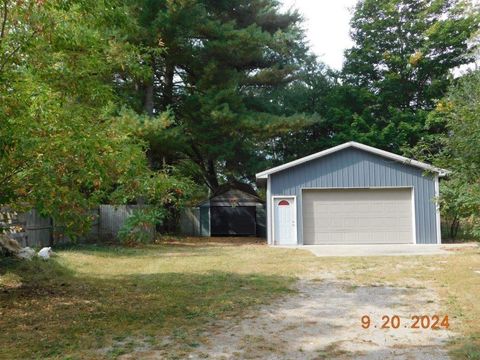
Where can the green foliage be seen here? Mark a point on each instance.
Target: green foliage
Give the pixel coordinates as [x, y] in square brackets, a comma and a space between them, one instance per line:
[125, 101]
[221, 61]
[460, 151]
[400, 65]
[403, 55]
[140, 226]
[310, 95]
[64, 145]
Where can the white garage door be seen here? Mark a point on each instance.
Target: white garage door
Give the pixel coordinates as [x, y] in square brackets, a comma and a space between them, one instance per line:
[357, 216]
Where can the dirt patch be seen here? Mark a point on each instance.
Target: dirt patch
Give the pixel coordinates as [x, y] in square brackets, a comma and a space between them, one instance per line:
[322, 321]
[460, 247]
[211, 241]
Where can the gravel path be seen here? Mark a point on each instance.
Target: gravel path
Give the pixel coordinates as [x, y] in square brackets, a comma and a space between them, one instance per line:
[322, 321]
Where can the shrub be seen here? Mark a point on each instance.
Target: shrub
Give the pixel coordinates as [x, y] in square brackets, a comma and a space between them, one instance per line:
[140, 227]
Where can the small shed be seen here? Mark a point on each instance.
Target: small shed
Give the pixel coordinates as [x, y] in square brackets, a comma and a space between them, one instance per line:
[234, 209]
[352, 194]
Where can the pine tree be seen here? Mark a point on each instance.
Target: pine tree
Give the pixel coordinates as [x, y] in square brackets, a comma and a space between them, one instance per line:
[220, 58]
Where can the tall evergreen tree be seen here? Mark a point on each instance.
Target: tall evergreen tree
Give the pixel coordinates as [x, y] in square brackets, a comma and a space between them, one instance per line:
[400, 65]
[404, 54]
[309, 94]
[220, 59]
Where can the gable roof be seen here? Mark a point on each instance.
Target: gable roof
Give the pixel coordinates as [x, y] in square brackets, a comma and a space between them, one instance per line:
[243, 194]
[353, 144]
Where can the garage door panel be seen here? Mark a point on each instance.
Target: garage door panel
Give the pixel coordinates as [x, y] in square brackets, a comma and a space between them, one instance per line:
[363, 238]
[382, 210]
[357, 216]
[360, 224]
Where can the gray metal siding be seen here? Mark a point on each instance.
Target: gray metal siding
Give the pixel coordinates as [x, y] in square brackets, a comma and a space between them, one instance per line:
[354, 168]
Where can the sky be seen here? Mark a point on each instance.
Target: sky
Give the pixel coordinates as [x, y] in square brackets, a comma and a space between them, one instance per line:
[326, 24]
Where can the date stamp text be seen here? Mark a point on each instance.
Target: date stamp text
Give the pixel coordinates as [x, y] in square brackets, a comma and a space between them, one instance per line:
[434, 322]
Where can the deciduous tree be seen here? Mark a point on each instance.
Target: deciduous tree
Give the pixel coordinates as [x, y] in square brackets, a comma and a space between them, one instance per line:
[64, 145]
[404, 53]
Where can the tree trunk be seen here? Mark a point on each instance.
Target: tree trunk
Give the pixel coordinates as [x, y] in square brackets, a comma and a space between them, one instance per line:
[454, 225]
[51, 237]
[207, 167]
[211, 176]
[168, 85]
[148, 102]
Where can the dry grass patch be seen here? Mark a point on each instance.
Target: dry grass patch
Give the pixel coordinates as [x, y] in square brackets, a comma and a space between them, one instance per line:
[101, 302]
[93, 302]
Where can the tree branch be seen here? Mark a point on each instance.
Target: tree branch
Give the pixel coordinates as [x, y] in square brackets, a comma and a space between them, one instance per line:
[15, 50]
[7, 177]
[4, 20]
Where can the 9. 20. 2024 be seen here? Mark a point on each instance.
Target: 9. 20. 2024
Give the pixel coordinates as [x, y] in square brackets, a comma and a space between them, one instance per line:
[434, 322]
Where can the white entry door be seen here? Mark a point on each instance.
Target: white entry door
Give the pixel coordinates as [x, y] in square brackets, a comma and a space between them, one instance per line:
[285, 224]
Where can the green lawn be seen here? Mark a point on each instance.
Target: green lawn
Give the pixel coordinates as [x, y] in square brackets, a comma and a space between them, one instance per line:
[96, 302]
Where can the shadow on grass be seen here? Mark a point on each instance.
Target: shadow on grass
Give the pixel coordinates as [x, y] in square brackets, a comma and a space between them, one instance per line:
[52, 311]
[183, 247]
[212, 240]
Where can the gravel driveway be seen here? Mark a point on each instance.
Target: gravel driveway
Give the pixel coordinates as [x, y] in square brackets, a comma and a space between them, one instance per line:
[323, 321]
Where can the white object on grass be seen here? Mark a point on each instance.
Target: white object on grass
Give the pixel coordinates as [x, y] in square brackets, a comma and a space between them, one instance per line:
[26, 253]
[45, 253]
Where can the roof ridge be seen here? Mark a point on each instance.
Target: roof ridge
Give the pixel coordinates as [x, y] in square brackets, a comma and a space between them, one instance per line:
[441, 172]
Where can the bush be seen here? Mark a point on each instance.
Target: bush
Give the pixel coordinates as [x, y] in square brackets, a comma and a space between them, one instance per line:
[140, 227]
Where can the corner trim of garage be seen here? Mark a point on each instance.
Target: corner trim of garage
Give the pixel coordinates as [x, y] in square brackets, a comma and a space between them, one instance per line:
[437, 209]
[414, 223]
[269, 212]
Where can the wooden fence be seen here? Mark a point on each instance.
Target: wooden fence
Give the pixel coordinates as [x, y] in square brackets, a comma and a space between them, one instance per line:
[112, 218]
[190, 222]
[31, 229]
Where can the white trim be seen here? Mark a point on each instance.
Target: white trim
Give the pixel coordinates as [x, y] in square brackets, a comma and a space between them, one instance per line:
[414, 223]
[356, 187]
[414, 231]
[389, 155]
[437, 210]
[269, 211]
[301, 215]
[294, 197]
[209, 221]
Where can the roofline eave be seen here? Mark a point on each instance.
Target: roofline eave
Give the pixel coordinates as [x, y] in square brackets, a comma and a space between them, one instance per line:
[441, 172]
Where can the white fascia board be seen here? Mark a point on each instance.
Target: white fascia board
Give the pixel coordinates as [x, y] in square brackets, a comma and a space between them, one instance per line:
[386, 154]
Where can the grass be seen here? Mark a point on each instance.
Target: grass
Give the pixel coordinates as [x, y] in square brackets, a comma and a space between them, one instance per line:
[100, 302]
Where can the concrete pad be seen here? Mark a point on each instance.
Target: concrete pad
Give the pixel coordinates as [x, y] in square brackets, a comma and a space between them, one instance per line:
[383, 249]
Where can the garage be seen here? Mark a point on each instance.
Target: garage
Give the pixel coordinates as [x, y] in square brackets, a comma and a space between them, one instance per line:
[357, 216]
[352, 194]
[228, 220]
[233, 209]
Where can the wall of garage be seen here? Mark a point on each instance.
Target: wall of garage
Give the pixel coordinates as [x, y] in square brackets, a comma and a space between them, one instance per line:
[196, 221]
[355, 168]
